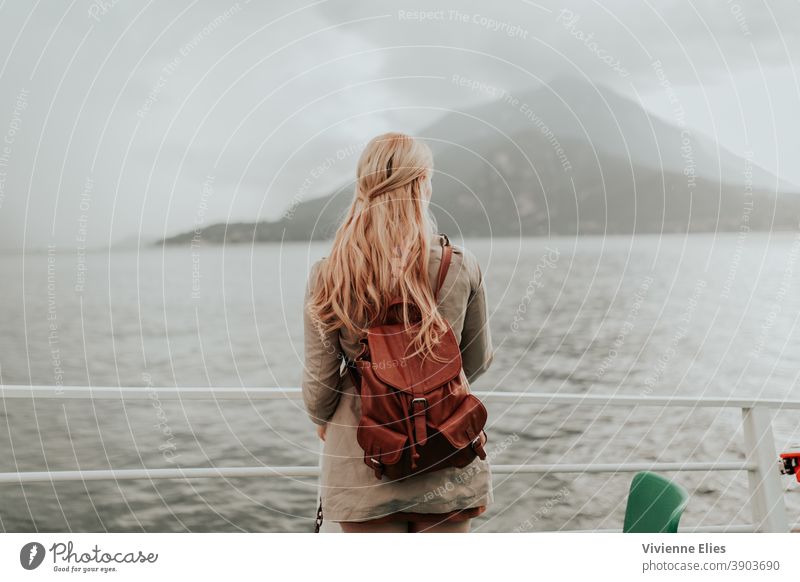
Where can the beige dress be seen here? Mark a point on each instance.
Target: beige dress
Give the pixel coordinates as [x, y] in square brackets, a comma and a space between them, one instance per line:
[349, 489]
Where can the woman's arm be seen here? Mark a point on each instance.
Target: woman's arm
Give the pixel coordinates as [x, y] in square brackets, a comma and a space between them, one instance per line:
[323, 358]
[476, 341]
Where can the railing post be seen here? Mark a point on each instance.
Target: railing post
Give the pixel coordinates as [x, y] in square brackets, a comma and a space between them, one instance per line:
[766, 491]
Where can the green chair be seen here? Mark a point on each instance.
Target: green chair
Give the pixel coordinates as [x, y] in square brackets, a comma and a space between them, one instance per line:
[655, 504]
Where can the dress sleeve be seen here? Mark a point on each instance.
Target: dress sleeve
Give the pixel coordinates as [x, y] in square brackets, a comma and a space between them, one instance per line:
[476, 341]
[323, 358]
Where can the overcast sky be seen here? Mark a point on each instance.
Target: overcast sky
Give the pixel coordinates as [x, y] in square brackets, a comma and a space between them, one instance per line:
[124, 119]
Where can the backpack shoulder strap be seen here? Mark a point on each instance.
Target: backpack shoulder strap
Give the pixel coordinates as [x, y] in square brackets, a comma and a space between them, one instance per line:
[444, 265]
[447, 256]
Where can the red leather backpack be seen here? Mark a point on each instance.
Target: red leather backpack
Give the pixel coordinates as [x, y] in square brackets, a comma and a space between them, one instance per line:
[417, 415]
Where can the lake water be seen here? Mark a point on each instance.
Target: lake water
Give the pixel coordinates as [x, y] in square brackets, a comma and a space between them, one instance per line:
[701, 314]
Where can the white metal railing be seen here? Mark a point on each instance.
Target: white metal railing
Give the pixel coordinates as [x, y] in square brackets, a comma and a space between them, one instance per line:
[766, 492]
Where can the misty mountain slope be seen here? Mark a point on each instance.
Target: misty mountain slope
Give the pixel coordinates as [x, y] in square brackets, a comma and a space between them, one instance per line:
[612, 123]
[601, 193]
[525, 171]
[519, 188]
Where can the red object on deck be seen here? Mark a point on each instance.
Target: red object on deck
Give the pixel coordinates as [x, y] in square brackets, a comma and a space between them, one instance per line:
[790, 463]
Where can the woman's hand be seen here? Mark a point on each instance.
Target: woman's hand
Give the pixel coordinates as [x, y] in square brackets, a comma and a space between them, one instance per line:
[321, 430]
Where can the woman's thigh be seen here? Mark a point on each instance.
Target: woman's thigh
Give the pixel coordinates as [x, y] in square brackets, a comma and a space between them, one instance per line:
[444, 527]
[386, 527]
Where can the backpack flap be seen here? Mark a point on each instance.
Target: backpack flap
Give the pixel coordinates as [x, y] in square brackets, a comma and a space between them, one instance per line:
[382, 445]
[466, 423]
[388, 346]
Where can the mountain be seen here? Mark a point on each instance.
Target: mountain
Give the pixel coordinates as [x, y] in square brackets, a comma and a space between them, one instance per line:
[571, 158]
[612, 124]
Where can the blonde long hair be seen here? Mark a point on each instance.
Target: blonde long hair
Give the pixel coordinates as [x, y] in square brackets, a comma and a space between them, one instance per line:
[381, 250]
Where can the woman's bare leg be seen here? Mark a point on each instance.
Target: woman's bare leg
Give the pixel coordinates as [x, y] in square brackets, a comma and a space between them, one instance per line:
[387, 527]
[444, 527]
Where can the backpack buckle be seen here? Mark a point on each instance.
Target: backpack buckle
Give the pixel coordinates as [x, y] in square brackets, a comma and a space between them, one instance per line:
[377, 466]
[477, 446]
[414, 401]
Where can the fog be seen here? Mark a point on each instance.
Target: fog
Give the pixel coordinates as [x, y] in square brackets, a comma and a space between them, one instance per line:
[124, 122]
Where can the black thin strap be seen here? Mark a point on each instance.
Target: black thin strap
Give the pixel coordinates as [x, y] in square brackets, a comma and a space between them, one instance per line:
[318, 520]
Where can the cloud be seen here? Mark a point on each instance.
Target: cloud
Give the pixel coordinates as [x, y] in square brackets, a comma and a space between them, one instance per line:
[132, 108]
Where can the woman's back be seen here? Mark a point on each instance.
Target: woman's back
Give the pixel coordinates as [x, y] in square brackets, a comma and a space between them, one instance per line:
[462, 301]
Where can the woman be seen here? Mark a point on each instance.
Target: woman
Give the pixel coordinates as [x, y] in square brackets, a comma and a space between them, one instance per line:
[387, 246]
